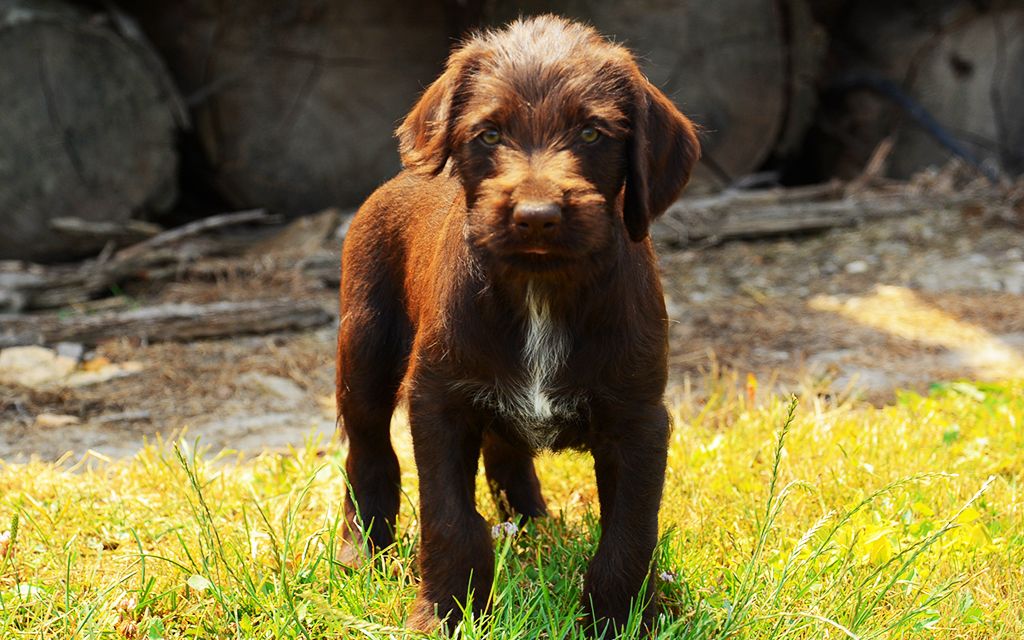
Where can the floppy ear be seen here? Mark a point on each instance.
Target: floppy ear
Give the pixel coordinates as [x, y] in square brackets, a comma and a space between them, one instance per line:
[424, 137]
[663, 149]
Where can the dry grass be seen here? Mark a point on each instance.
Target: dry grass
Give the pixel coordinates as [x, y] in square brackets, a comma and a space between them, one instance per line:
[843, 520]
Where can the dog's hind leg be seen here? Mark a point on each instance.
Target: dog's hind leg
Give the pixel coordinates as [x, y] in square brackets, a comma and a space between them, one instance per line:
[512, 479]
[372, 353]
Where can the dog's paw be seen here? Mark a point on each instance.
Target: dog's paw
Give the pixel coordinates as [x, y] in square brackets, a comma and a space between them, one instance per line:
[423, 617]
[351, 553]
[605, 620]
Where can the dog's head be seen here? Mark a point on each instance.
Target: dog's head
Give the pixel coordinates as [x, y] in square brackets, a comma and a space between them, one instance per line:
[559, 140]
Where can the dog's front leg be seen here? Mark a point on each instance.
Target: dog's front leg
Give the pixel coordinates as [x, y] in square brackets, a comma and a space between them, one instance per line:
[629, 460]
[456, 557]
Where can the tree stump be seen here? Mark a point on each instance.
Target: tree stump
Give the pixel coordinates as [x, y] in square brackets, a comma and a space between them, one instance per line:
[971, 79]
[87, 123]
[296, 103]
[963, 62]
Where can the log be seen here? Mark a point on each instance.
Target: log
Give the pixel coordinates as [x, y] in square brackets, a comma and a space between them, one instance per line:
[972, 80]
[89, 124]
[104, 231]
[35, 286]
[321, 267]
[167, 322]
[731, 216]
[295, 103]
[962, 62]
[193, 229]
[744, 70]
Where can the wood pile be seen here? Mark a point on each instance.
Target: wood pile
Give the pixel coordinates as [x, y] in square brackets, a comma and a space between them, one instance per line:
[88, 125]
[167, 322]
[290, 107]
[196, 251]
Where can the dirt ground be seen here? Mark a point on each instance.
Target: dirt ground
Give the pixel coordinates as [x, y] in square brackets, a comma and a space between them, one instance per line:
[894, 304]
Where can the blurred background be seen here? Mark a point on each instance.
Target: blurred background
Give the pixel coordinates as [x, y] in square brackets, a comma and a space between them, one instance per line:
[175, 174]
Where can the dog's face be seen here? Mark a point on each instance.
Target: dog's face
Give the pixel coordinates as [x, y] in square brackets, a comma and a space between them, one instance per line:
[560, 142]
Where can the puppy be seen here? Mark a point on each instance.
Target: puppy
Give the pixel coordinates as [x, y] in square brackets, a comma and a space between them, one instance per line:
[504, 283]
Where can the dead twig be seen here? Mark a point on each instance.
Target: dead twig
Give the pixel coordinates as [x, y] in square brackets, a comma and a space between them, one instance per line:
[166, 322]
[46, 287]
[132, 230]
[729, 216]
[196, 228]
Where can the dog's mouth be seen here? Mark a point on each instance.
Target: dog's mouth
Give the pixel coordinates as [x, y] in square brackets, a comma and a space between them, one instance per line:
[530, 256]
[534, 255]
[536, 251]
[536, 259]
[539, 251]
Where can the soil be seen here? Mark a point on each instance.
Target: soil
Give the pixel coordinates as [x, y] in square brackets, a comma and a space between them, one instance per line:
[898, 304]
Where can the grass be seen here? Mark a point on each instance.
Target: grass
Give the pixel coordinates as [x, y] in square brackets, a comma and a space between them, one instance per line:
[812, 519]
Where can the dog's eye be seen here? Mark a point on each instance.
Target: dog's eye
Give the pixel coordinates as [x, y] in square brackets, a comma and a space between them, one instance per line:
[491, 137]
[589, 134]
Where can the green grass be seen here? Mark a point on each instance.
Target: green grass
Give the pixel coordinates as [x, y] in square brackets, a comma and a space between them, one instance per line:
[838, 520]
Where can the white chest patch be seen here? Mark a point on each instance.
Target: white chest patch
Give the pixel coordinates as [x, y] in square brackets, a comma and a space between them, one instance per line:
[531, 402]
[544, 352]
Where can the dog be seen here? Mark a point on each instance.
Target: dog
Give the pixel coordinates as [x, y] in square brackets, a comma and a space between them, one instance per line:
[504, 284]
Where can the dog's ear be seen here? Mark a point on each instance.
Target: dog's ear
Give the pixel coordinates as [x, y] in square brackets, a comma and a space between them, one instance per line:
[663, 148]
[424, 137]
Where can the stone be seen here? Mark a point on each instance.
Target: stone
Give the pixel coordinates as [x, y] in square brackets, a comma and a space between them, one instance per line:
[55, 420]
[857, 266]
[34, 367]
[283, 388]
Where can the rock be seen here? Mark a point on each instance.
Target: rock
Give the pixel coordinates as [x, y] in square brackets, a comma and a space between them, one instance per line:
[73, 350]
[283, 388]
[964, 273]
[821, 361]
[55, 420]
[1013, 280]
[34, 366]
[857, 266]
[263, 431]
[771, 354]
[122, 416]
[103, 372]
[864, 380]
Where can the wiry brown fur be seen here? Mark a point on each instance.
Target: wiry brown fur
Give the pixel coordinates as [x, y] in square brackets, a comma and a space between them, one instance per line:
[511, 293]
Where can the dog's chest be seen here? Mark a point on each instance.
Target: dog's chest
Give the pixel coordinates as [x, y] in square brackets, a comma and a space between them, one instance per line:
[530, 399]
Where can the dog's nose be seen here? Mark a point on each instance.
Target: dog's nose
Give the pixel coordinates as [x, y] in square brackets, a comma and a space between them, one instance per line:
[537, 218]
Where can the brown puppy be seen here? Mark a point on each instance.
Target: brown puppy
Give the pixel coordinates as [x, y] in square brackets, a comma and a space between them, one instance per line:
[505, 284]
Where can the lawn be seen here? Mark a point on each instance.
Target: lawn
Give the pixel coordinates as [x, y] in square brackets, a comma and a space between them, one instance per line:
[841, 520]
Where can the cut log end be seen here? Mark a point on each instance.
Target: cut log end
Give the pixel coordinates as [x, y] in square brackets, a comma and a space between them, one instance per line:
[88, 129]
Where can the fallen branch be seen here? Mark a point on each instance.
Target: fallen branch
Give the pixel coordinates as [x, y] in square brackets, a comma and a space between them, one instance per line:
[193, 229]
[127, 230]
[166, 322]
[322, 267]
[780, 212]
[46, 287]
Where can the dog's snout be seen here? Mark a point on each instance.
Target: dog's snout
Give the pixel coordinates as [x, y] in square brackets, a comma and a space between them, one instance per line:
[537, 218]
